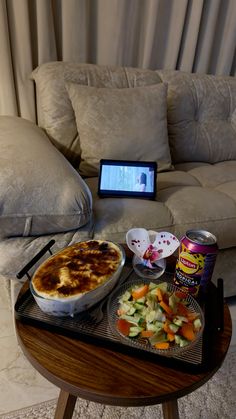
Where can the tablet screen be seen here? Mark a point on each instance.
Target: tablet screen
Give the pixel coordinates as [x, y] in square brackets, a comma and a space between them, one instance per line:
[127, 178]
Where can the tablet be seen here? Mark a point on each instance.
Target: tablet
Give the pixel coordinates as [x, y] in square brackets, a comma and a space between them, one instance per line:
[127, 178]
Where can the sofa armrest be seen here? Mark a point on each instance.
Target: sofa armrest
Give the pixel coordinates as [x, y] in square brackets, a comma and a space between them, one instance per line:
[40, 192]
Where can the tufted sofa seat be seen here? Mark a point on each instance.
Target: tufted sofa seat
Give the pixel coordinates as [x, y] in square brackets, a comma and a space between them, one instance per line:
[194, 195]
[196, 190]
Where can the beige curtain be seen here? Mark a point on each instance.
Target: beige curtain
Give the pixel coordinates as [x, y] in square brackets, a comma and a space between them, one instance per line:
[189, 35]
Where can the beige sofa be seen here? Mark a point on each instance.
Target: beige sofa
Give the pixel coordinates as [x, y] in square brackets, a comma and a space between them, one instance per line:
[186, 122]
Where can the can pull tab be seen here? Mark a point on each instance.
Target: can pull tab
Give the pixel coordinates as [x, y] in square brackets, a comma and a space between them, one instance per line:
[220, 305]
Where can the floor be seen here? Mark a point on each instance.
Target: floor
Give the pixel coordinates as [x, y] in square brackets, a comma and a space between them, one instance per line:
[20, 384]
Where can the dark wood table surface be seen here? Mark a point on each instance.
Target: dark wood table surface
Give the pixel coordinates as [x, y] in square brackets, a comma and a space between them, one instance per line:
[103, 375]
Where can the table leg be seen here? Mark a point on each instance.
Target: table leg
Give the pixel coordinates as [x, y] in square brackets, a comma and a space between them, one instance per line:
[170, 410]
[65, 405]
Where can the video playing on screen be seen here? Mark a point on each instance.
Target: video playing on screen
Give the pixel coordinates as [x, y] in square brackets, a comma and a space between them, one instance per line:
[127, 178]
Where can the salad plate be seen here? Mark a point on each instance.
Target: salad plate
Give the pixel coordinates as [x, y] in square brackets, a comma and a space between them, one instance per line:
[155, 316]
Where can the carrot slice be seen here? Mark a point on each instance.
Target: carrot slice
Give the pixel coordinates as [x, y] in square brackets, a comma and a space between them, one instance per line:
[147, 333]
[140, 292]
[182, 310]
[123, 326]
[187, 331]
[166, 307]
[159, 294]
[162, 345]
[166, 327]
[191, 316]
[181, 294]
[170, 337]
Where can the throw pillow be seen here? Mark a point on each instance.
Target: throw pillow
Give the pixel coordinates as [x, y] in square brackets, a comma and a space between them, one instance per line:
[54, 110]
[121, 123]
[40, 192]
[201, 116]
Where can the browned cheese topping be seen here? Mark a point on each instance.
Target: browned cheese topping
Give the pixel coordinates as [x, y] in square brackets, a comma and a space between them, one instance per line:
[77, 269]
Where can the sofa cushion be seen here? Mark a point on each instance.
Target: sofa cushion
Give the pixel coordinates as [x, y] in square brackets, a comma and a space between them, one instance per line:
[55, 113]
[201, 116]
[40, 192]
[113, 217]
[123, 123]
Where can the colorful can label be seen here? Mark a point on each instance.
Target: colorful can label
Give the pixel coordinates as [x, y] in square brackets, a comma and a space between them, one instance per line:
[196, 261]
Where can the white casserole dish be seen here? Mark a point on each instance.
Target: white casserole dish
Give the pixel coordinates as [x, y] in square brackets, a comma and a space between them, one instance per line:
[71, 305]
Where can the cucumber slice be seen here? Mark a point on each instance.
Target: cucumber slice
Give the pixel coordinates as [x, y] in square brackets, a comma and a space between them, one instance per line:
[160, 316]
[127, 307]
[154, 327]
[132, 334]
[157, 338]
[153, 292]
[141, 300]
[182, 318]
[135, 330]
[173, 327]
[177, 322]
[131, 311]
[151, 301]
[130, 319]
[177, 339]
[151, 316]
[197, 324]
[183, 342]
[126, 296]
[138, 306]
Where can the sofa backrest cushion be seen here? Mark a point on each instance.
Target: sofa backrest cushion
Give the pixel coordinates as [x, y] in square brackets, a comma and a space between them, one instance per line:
[128, 123]
[40, 192]
[201, 116]
[55, 112]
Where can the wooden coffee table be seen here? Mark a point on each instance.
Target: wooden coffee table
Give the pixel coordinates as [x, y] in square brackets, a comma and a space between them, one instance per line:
[102, 375]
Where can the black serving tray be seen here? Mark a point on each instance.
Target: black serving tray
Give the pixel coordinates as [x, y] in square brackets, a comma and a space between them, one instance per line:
[82, 327]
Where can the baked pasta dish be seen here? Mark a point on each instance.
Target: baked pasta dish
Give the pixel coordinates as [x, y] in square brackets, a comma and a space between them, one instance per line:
[77, 269]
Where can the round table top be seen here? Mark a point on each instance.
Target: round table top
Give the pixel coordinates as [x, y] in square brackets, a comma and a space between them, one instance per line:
[107, 376]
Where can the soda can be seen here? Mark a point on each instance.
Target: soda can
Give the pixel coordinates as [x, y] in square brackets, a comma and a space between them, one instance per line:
[196, 260]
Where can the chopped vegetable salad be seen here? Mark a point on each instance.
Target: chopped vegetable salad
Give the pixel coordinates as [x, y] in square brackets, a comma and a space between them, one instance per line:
[161, 316]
